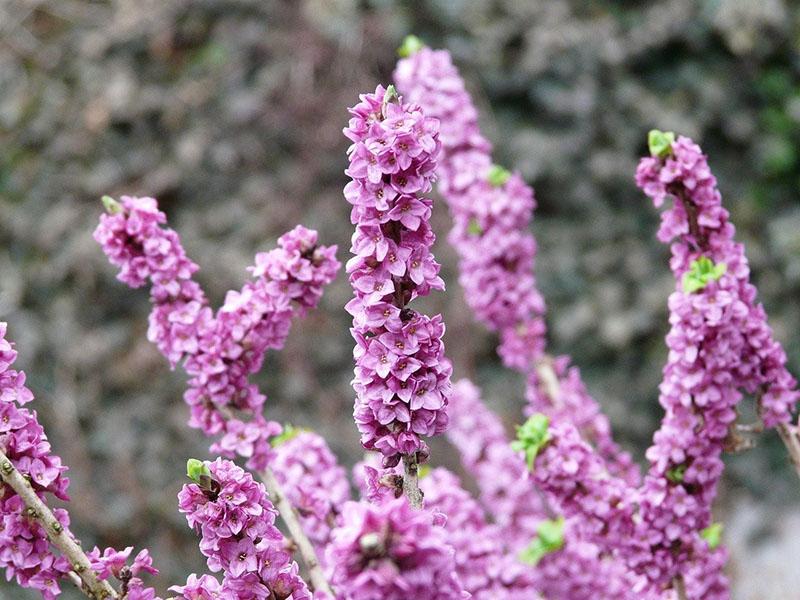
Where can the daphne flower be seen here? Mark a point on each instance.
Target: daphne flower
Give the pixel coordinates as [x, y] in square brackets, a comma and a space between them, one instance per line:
[402, 379]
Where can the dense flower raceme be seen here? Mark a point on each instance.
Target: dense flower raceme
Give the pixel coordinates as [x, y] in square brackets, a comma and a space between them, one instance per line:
[236, 522]
[114, 563]
[392, 552]
[581, 569]
[485, 568]
[700, 223]
[25, 551]
[313, 482]
[720, 346]
[500, 473]
[402, 378]
[219, 351]
[483, 563]
[608, 512]
[492, 210]
[204, 587]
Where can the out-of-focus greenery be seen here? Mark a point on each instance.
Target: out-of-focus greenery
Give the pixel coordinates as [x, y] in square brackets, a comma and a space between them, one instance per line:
[230, 112]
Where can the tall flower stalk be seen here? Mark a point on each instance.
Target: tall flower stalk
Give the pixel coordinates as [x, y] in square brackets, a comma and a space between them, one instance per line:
[719, 347]
[220, 352]
[402, 378]
[492, 210]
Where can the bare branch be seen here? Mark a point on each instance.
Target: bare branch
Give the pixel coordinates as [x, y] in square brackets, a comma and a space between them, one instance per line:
[84, 576]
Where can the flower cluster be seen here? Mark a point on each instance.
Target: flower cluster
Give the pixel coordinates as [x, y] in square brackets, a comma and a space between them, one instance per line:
[204, 587]
[25, 551]
[570, 472]
[219, 351]
[491, 210]
[720, 346]
[313, 482]
[236, 522]
[607, 516]
[508, 492]
[701, 224]
[114, 563]
[482, 563]
[133, 239]
[392, 552]
[501, 474]
[402, 378]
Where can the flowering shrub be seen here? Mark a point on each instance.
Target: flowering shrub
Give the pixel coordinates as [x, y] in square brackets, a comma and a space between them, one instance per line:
[560, 513]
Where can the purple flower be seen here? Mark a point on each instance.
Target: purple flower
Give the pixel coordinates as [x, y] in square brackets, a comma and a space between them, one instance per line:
[313, 482]
[402, 378]
[219, 351]
[392, 552]
[492, 210]
[236, 522]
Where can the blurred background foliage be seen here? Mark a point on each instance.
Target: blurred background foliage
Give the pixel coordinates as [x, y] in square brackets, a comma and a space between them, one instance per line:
[230, 113]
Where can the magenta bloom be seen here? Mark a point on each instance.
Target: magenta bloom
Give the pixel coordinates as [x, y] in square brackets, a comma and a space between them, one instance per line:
[720, 346]
[236, 522]
[204, 587]
[402, 378]
[219, 352]
[492, 211]
[392, 552]
[25, 552]
[582, 569]
[314, 483]
[483, 564]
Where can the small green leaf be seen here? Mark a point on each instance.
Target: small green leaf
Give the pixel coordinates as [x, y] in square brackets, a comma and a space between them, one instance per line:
[712, 535]
[549, 538]
[497, 175]
[411, 45]
[675, 474]
[197, 470]
[660, 142]
[423, 471]
[289, 432]
[112, 206]
[474, 228]
[701, 272]
[532, 436]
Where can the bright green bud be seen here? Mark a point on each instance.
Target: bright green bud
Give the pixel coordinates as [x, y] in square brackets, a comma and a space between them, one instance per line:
[497, 175]
[675, 474]
[423, 471]
[410, 45]
[112, 206]
[549, 538]
[712, 535]
[391, 94]
[474, 228]
[660, 142]
[701, 272]
[532, 436]
[289, 432]
[197, 470]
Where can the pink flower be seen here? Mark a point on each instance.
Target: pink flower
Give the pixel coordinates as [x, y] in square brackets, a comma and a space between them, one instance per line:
[401, 375]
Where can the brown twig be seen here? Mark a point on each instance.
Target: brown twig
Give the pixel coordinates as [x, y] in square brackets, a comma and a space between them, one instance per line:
[411, 481]
[791, 439]
[691, 213]
[680, 587]
[291, 518]
[549, 380]
[61, 539]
